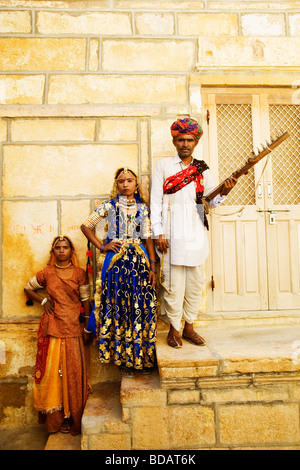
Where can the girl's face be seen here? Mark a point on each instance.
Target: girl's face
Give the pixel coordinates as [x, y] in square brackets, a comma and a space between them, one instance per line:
[62, 251]
[126, 184]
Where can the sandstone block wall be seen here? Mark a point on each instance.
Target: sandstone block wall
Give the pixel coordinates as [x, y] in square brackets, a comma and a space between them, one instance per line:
[88, 86]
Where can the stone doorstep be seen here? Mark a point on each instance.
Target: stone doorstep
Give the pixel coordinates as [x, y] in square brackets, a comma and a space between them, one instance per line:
[259, 351]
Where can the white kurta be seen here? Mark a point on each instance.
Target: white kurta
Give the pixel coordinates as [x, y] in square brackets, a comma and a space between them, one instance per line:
[186, 232]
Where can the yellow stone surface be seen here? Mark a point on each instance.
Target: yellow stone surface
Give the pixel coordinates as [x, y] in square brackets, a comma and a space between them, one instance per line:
[66, 170]
[35, 54]
[110, 442]
[15, 22]
[85, 23]
[118, 130]
[246, 51]
[172, 427]
[117, 89]
[253, 5]
[28, 130]
[144, 132]
[154, 23]
[28, 230]
[3, 130]
[73, 214]
[245, 424]
[208, 24]
[142, 55]
[271, 24]
[294, 22]
[94, 55]
[20, 344]
[18, 89]
[160, 4]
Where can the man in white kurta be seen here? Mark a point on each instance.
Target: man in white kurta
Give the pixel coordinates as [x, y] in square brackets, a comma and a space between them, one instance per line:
[180, 234]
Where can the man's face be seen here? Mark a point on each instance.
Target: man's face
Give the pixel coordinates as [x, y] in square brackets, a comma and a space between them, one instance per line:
[185, 145]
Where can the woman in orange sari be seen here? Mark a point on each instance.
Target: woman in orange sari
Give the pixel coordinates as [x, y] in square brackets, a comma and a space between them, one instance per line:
[61, 383]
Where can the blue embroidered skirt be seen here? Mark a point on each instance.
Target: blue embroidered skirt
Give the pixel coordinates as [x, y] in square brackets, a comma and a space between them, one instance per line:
[124, 312]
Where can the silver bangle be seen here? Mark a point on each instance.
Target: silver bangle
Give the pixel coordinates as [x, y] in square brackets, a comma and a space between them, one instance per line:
[44, 301]
[87, 331]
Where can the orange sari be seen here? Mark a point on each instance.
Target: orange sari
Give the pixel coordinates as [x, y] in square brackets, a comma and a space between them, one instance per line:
[61, 382]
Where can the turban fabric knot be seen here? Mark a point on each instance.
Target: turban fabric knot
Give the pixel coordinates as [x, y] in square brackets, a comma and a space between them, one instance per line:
[186, 126]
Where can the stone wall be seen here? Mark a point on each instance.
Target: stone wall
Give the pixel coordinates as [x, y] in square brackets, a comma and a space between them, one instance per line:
[88, 86]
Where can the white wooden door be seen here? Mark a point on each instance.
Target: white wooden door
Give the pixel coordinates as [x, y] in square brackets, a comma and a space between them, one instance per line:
[254, 264]
[282, 197]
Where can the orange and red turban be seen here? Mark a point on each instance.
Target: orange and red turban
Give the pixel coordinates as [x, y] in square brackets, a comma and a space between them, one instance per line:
[186, 126]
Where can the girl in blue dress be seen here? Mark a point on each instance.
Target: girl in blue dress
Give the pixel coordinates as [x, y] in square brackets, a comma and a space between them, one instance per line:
[123, 317]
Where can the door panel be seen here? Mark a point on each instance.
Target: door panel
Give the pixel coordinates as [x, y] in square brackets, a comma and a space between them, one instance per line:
[238, 230]
[284, 198]
[255, 259]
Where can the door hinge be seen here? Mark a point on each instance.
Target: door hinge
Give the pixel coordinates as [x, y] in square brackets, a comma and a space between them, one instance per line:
[212, 283]
[207, 116]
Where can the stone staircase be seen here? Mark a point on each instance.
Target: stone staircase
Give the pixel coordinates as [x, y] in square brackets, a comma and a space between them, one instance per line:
[240, 391]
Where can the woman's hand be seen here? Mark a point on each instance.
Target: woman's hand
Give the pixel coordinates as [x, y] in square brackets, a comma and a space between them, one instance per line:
[152, 278]
[112, 246]
[49, 307]
[87, 337]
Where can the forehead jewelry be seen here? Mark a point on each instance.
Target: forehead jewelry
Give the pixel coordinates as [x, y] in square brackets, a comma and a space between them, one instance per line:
[61, 238]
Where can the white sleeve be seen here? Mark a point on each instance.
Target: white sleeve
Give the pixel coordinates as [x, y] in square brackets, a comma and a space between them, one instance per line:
[209, 185]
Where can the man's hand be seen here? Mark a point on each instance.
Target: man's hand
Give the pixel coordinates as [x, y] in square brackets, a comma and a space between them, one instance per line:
[228, 185]
[162, 244]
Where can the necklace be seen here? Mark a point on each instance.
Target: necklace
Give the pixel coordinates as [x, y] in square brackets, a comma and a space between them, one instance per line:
[63, 267]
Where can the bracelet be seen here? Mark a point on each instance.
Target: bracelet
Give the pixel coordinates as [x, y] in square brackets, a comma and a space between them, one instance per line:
[86, 317]
[44, 301]
[152, 261]
[87, 331]
[153, 270]
[102, 249]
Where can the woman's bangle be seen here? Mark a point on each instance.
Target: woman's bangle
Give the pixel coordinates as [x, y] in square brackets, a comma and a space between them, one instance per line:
[102, 248]
[87, 331]
[152, 261]
[153, 270]
[44, 301]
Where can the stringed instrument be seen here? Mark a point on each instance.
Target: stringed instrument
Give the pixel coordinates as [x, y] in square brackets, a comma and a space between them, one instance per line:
[250, 163]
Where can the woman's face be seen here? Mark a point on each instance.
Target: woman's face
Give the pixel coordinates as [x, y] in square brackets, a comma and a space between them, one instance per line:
[62, 251]
[126, 184]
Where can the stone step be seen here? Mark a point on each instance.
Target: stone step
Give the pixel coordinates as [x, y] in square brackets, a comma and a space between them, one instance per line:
[102, 425]
[229, 353]
[60, 441]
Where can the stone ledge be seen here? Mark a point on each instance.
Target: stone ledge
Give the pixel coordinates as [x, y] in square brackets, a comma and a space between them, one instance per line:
[252, 76]
[79, 110]
[231, 357]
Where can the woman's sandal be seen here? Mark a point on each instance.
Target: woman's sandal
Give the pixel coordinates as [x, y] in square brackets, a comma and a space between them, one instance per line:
[126, 371]
[66, 426]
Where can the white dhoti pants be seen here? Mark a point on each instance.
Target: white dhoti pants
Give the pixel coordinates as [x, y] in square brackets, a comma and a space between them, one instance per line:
[185, 284]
